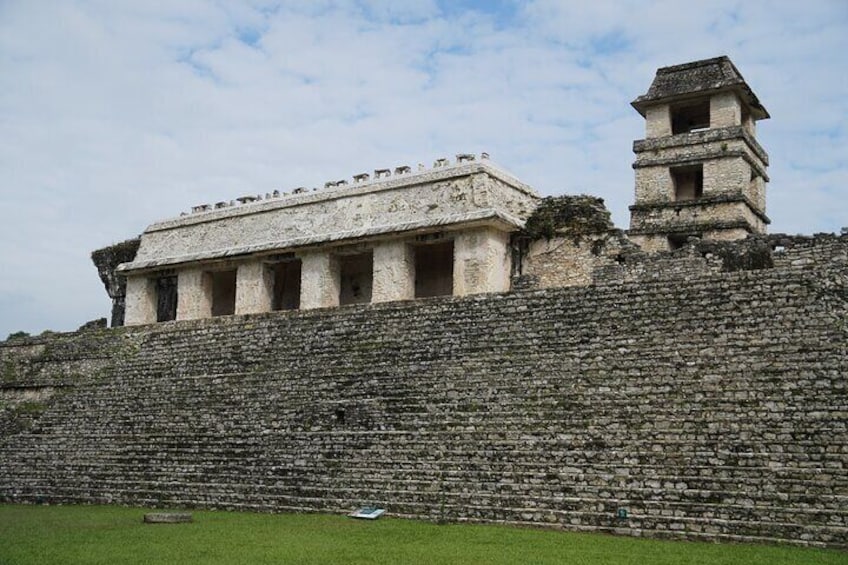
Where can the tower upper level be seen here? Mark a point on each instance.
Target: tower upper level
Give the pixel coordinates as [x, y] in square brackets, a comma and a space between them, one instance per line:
[695, 96]
[699, 171]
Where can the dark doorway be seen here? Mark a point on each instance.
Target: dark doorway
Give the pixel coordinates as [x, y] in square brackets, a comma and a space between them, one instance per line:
[286, 285]
[357, 274]
[434, 269]
[166, 298]
[223, 293]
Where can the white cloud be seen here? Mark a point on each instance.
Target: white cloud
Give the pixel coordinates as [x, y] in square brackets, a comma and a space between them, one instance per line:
[114, 114]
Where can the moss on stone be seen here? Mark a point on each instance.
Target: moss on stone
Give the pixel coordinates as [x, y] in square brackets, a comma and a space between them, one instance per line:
[110, 257]
[31, 407]
[9, 373]
[568, 216]
[743, 255]
[18, 335]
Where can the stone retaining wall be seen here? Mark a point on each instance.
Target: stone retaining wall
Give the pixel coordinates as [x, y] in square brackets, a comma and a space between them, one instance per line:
[711, 407]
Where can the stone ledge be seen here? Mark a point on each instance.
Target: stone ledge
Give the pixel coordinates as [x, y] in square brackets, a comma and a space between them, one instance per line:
[699, 203]
[706, 155]
[700, 138]
[377, 185]
[484, 216]
[167, 518]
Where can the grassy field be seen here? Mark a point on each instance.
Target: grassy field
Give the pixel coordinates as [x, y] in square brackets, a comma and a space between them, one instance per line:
[111, 535]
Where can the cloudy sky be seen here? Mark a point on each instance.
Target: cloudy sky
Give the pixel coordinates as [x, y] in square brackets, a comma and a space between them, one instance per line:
[114, 114]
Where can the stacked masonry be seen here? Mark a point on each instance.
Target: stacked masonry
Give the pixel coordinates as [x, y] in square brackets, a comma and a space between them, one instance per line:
[706, 405]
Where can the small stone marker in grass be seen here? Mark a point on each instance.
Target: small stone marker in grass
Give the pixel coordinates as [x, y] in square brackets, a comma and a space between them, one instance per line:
[167, 518]
[368, 513]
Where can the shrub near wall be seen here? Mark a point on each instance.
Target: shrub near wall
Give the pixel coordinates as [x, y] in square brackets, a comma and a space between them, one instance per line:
[710, 407]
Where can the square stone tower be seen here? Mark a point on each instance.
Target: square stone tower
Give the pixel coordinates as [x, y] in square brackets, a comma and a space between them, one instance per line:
[699, 171]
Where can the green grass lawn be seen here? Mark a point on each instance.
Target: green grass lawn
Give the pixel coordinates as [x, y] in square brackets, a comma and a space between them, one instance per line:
[113, 535]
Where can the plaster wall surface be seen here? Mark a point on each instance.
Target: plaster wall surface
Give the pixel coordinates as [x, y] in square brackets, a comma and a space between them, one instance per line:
[394, 271]
[194, 294]
[481, 261]
[320, 280]
[554, 407]
[254, 288]
[140, 301]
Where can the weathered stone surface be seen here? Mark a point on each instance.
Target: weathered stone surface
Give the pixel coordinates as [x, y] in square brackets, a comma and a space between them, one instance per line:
[706, 76]
[167, 518]
[700, 170]
[467, 192]
[708, 401]
[565, 240]
[107, 260]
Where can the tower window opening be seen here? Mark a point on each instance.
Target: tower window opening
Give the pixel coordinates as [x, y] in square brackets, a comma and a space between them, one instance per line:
[690, 118]
[680, 240]
[688, 182]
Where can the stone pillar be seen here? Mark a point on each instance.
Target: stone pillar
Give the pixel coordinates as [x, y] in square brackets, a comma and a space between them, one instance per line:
[657, 121]
[194, 294]
[319, 281]
[481, 261]
[725, 110]
[140, 301]
[394, 272]
[254, 288]
[731, 175]
[653, 185]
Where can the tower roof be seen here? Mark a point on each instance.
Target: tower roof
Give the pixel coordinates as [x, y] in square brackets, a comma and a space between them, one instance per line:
[699, 77]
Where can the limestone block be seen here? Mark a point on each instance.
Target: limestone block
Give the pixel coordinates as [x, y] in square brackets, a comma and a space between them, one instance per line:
[565, 261]
[726, 235]
[651, 243]
[657, 121]
[140, 301]
[481, 261]
[729, 175]
[320, 280]
[194, 294]
[756, 193]
[725, 110]
[654, 184]
[254, 288]
[167, 518]
[394, 272]
[750, 124]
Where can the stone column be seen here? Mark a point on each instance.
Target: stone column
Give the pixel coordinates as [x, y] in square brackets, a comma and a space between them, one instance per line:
[725, 110]
[319, 281]
[140, 301]
[394, 272]
[194, 294]
[481, 261]
[254, 288]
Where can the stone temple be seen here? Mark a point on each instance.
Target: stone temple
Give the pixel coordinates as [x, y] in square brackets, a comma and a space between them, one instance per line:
[443, 343]
[451, 229]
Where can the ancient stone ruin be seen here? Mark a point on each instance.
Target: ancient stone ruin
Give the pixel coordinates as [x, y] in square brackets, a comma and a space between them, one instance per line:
[445, 344]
